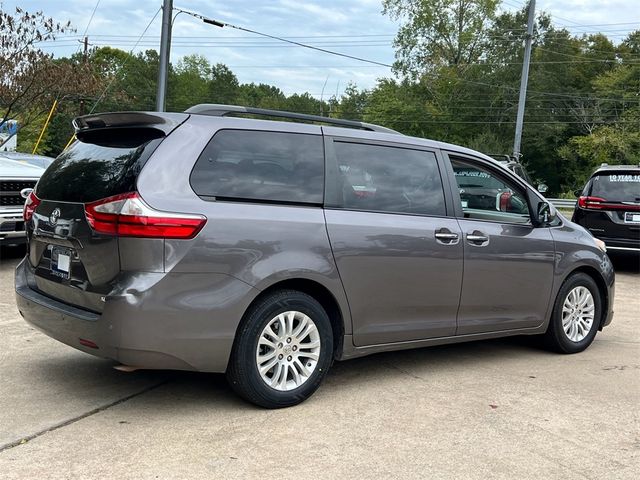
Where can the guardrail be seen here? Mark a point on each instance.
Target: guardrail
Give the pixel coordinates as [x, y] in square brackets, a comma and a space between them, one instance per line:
[562, 202]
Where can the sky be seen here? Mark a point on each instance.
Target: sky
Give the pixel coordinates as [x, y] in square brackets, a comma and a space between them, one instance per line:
[353, 27]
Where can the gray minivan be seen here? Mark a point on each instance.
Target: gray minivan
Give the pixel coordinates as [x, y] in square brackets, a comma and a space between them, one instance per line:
[267, 249]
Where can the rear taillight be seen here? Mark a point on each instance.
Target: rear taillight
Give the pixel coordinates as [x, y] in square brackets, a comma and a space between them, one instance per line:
[594, 203]
[598, 203]
[127, 215]
[30, 205]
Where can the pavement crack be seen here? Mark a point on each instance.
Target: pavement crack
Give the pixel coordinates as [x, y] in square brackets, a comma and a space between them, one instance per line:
[70, 421]
[403, 371]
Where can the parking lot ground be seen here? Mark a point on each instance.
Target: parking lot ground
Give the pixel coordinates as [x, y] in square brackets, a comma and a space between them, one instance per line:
[494, 409]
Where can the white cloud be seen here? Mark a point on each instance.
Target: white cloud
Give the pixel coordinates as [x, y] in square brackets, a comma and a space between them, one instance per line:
[288, 18]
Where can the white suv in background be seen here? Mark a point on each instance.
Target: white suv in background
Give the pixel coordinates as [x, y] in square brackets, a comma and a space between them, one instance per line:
[15, 176]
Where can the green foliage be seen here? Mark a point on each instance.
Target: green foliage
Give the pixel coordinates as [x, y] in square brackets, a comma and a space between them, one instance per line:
[582, 154]
[437, 33]
[459, 62]
[223, 87]
[29, 133]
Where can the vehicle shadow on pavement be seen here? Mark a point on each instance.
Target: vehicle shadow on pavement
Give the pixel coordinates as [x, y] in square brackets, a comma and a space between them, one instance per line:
[10, 252]
[161, 389]
[625, 262]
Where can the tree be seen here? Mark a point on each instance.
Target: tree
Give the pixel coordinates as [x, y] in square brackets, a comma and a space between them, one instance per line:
[127, 81]
[436, 33]
[224, 86]
[188, 85]
[30, 79]
[352, 103]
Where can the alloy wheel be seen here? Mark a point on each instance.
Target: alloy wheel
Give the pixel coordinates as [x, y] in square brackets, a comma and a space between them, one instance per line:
[578, 312]
[288, 350]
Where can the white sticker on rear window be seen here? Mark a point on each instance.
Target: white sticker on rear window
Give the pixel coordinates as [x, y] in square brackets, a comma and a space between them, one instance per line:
[625, 178]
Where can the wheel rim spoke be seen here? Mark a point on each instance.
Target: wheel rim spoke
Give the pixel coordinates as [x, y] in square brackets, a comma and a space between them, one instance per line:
[265, 368]
[309, 356]
[264, 341]
[297, 379]
[269, 331]
[303, 369]
[288, 350]
[304, 321]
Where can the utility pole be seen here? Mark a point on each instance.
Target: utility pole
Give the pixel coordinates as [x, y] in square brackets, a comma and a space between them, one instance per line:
[85, 58]
[524, 79]
[165, 50]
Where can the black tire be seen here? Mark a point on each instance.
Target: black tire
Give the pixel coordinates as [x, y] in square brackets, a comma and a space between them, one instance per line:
[555, 337]
[242, 372]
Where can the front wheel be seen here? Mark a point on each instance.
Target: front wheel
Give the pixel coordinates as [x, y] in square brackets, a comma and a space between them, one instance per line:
[282, 351]
[576, 315]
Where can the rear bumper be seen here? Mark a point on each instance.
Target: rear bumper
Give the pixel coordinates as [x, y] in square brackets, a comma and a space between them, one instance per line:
[60, 321]
[164, 321]
[624, 244]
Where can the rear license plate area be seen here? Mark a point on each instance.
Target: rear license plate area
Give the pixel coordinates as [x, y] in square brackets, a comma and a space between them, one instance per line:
[60, 261]
[632, 217]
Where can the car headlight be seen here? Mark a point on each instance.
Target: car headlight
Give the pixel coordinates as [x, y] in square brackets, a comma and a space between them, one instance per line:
[600, 244]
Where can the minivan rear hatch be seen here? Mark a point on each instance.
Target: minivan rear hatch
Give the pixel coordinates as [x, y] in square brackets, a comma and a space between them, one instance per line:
[74, 263]
[613, 198]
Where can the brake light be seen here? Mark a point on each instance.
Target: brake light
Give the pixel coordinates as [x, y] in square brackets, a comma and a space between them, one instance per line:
[594, 203]
[30, 205]
[597, 203]
[127, 215]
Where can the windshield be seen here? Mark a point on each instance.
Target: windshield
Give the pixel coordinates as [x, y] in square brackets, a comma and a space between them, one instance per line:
[617, 187]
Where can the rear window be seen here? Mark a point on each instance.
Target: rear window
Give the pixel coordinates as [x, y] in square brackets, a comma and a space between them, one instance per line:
[100, 165]
[617, 187]
[261, 166]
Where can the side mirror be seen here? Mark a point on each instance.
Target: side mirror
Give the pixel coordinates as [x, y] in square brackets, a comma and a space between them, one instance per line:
[542, 188]
[25, 192]
[578, 193]
[545, 214]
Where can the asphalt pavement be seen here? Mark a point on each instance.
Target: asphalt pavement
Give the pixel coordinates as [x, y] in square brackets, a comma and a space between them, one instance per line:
[492, 409]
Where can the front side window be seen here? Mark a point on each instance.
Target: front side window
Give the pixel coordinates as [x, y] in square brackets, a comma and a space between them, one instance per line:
[261, 166]
[487, 196]
[389, 179]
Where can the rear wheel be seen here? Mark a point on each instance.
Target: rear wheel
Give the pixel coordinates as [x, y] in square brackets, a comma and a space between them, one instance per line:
[576, 315]
[282, 351]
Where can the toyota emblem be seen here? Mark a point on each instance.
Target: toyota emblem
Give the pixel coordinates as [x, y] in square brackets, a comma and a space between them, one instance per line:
[55, 215]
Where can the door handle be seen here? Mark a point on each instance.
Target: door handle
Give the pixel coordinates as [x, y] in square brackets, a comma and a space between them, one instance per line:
[446, 237]
[477, 238]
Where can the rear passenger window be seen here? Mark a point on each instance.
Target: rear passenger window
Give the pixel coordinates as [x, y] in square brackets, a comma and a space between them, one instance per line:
[389, 179]
[261, 166]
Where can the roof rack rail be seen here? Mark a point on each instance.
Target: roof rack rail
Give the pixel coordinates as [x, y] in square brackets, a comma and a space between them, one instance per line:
[217, 110]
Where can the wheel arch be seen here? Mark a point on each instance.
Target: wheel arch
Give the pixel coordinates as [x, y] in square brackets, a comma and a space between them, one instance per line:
[602, 288]
[321, 294]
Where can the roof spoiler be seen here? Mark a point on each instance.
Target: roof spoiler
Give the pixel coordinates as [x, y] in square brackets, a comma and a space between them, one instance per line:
[163, 122]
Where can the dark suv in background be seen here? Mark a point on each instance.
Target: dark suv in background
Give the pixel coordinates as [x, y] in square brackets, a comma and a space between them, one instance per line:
[609, 206]
[268, 249]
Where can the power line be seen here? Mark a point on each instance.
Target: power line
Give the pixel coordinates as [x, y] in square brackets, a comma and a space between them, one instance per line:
[300, 44]
[115, 75]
